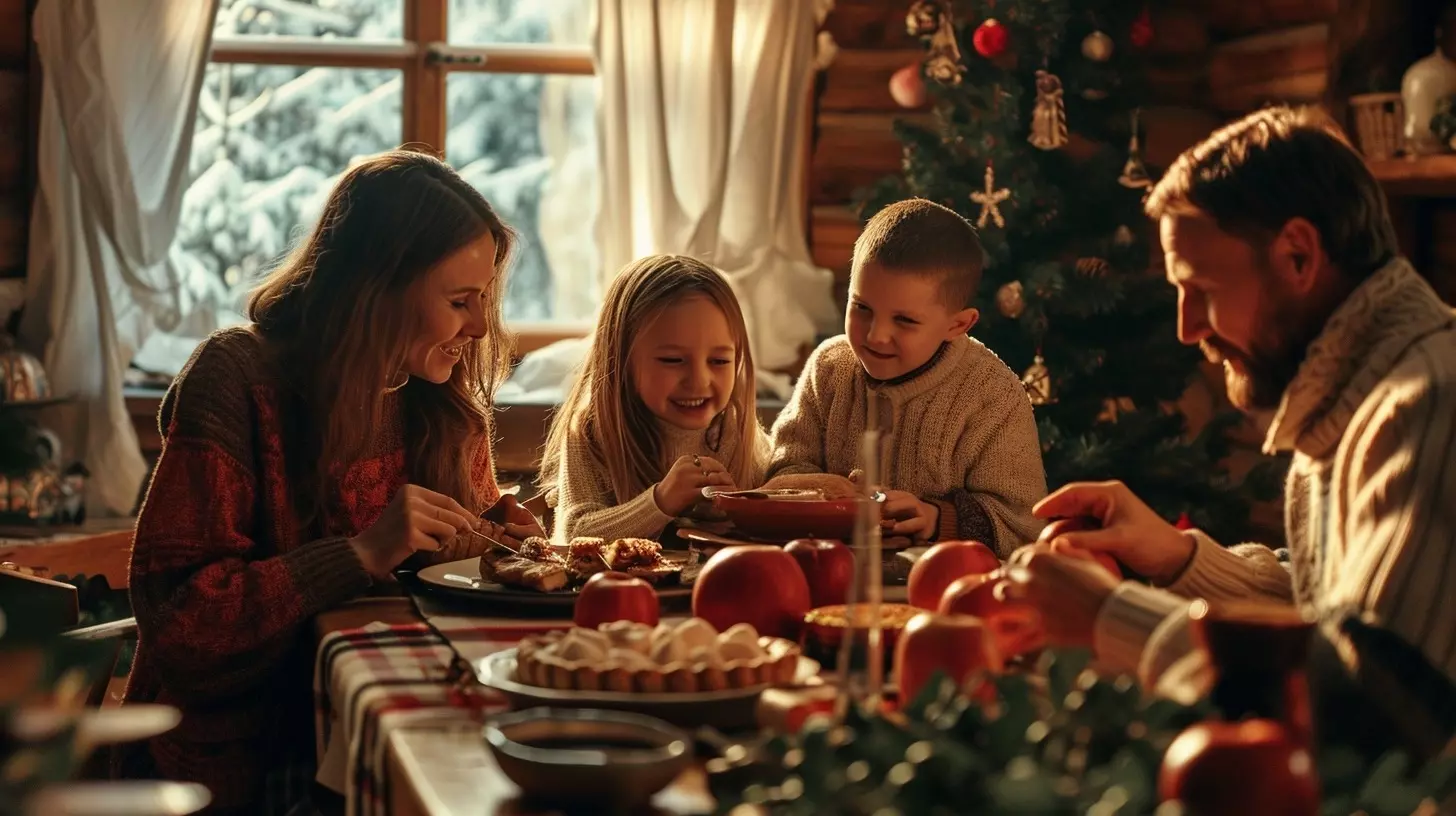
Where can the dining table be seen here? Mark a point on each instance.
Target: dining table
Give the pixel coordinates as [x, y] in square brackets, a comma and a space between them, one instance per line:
[399, 725]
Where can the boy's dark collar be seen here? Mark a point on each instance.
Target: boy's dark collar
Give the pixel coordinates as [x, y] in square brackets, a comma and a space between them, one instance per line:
[910, 375]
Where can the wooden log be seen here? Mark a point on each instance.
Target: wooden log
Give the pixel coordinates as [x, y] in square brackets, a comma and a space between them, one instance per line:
[1169, 130]
[869, 24]
[859, 79]
[1269, 56]
[12, 233]
[1178, 81]
[1179, 31]
[14, 33]
[14, 115]
[853, 151]
[1304, 87]
[832, 234]
[1232, 17]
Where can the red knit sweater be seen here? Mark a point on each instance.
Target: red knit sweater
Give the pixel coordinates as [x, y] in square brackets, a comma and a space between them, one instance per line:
[225, 580]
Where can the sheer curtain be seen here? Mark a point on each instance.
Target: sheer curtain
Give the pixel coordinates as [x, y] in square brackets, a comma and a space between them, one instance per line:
[121, 81]
[702, 126]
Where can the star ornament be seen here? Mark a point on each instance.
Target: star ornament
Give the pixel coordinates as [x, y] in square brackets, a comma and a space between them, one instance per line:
[990, 200]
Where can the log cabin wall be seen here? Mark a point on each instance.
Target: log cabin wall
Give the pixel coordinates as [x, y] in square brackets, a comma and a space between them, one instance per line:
[18, 104]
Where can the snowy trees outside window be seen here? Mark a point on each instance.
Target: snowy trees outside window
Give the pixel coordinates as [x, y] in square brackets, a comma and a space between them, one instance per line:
[272, 139]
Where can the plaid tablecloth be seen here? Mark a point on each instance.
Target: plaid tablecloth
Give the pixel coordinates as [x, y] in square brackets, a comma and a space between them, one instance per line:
[373, 679]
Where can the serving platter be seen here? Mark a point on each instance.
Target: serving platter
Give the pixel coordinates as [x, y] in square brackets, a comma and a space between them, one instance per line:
[727, 710]
[461, 579]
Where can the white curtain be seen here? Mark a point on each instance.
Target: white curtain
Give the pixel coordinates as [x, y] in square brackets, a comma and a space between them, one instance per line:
[120, 96]
[702, 129]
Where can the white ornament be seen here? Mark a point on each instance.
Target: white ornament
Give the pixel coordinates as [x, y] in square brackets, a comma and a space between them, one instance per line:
[990, 200]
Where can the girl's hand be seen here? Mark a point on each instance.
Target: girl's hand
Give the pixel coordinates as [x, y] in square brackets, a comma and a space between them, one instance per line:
[416, 519]
[912, 517]
[683, 485]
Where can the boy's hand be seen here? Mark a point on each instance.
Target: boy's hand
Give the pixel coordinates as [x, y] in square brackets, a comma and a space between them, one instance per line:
[912, 517]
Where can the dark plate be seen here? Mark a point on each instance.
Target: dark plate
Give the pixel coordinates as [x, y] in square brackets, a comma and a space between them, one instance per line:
[461, 579]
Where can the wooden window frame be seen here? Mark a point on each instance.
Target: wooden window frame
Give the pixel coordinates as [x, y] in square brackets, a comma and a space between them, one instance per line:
[425, 60]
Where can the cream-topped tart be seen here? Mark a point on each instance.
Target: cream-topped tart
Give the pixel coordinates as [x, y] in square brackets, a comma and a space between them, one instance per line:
[633, 657]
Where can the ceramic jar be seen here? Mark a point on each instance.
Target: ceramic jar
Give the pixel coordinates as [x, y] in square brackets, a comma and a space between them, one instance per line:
[1425, 84]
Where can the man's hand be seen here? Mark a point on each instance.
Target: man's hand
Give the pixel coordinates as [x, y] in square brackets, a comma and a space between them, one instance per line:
[912, 517]
[1067, 590]
[1131, 532]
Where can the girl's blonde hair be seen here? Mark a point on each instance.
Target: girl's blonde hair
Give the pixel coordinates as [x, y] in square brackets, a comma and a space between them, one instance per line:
[336, 313]
[603, 406]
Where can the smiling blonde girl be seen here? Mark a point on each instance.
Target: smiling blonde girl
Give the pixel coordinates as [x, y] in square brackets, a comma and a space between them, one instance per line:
[664, 405]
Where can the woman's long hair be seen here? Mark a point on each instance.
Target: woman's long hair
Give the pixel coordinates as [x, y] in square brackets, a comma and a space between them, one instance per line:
[338, 315]
[603, 406]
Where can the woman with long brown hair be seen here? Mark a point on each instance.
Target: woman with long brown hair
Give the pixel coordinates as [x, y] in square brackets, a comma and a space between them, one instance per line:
[305, 456]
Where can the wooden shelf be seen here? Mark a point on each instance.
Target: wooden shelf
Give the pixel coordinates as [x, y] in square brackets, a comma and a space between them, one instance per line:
[1421, 176]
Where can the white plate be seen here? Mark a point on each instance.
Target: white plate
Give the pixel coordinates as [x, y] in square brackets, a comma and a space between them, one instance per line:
[98, 726]
[129, 798]
[730, 709]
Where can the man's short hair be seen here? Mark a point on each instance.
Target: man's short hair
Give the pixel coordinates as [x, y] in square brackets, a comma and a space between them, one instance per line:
[921, 237]
[1255, 175]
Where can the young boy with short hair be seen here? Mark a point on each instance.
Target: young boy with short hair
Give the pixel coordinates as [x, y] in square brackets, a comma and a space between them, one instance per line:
[960, 445]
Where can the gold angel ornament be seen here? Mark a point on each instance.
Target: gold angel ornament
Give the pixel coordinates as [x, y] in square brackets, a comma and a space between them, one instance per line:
[1049, 115]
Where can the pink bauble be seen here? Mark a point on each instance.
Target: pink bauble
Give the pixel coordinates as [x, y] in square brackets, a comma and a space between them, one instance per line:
[907, 87]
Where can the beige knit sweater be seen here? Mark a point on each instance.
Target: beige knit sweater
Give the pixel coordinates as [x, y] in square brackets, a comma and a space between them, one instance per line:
[960, 434]
[1370, 502]
[587, 506]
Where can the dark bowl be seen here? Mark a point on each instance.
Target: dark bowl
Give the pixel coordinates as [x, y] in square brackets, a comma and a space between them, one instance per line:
[575, 757]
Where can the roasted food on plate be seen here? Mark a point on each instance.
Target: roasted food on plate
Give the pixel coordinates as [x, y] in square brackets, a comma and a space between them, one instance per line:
[539, 566]
[633, 657]
[534, 566]
[828, 485]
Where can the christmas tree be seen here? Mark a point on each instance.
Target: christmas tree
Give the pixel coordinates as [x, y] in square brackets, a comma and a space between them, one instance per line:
[1033, 136]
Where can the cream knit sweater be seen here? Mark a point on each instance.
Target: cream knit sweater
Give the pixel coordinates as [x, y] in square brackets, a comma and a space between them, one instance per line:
[960, 433]
[1370, 502]
[586, 505]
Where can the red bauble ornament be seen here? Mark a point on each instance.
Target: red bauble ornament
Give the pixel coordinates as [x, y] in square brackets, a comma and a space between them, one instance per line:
[907, 87]
[990, 38]
[1141, 34]
[1184, 523]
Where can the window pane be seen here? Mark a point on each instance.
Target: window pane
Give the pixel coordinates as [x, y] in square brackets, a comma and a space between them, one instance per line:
[528, 143]
[539, 22]
[328, 19]
[260, 173]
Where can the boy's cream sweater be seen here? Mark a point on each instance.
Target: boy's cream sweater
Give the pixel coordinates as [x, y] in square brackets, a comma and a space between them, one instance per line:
[1370, 502]
[959, 433]
[586, 505]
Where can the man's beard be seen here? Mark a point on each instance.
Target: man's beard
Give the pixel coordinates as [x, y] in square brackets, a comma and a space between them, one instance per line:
[1267, 369]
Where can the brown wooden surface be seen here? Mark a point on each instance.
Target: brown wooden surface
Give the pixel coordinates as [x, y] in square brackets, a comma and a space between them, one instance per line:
[1433, 176]
[859, 80]
[14, 34]
[869, 24]
[1235, 17]
[1269, 56]
[106, 554]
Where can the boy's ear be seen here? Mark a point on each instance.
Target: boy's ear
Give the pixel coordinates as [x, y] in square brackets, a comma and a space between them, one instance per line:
[962, 322]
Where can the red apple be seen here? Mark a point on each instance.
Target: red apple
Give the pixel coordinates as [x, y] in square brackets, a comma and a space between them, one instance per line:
[828, 566]
[615, 596]
[1075, 524]
[1253, 766]
[1016, 625]
[943, 564]
[758, 584]
[957, 645]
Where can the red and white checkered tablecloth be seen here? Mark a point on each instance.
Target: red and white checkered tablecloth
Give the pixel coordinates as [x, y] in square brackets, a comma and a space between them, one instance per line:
[373, 679]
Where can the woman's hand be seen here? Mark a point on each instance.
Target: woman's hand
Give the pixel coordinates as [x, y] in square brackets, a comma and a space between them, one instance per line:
[415, 519]
[683, 485]
[512, 520]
